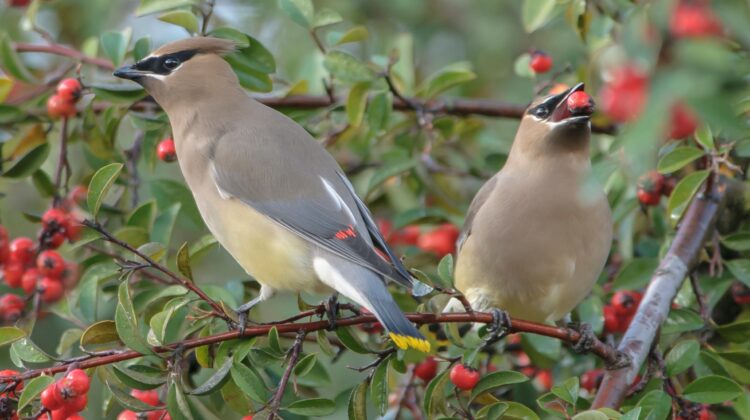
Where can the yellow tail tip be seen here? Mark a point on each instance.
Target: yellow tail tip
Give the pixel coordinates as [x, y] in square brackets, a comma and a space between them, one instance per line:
[404, 342]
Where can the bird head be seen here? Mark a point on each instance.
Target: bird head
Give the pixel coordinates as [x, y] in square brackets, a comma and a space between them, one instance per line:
[185, 71]
[556, 123]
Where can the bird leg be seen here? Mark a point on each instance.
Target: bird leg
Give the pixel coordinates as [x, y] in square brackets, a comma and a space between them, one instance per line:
[244, 309]
[498, 328]
[332, 309]
[587, 339]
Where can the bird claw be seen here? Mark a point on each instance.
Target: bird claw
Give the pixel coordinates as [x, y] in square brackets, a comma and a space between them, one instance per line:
[587, 339]
[332, 308]
[499, 327]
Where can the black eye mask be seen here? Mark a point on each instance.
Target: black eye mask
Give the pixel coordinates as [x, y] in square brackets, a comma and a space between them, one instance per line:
[164, 64]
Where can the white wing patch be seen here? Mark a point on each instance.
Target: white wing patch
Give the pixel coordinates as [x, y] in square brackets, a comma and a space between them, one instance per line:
[214, 175]
[340, 203]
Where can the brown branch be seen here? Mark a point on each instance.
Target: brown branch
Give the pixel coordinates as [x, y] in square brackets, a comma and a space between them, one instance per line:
[218, 311]
[607, 353]
[62, 50]
[291, 363]
[62, 164]
[666, 281]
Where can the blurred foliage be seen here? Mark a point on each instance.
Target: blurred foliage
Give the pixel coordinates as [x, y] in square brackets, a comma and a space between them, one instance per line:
[415, 170]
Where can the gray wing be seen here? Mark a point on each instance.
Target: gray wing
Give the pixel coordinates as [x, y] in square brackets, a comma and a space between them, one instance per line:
[476, 204]
[300, 186]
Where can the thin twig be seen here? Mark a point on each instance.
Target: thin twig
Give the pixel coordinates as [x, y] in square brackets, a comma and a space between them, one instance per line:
[62, 50]
[132, 155]
[291, 363]
[207, 16]
[62, 164]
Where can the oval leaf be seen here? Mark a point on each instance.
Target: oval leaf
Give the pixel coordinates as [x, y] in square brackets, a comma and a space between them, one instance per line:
[10, 334]
[712, 389]
[682, 356]
[497, 379]
[683, 193]
[32, 389]
[215, 381]
[100, 184]
[182, 18]
[356, 103]
[312, 407]
[678, 158]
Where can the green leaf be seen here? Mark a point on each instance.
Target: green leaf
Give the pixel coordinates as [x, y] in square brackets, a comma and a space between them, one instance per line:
[312, 407]
[740, 268]
[519, 411]
[143, 216]
[347, 68]
[125, 93]
[100, 184]
[182, 18]
[216, 380]
[305, 365]
[126, 321]
[704, 137]
[273, 340]
[536, 13]
[379, 111]
[32, 389]
[434, 394]
[29, 162]
[379, 387]
[351, 342]
[325, 344]
[147, 7]
[235, 398]
[736, 332]
[355, 34]
[43, 183]
[137, 380]
[167, 192]
[115, 45]
[11, 62]
[568, 390]
[682, 320]
[252, 58]
[712, 389]
[682, 356]
[444, 80]
[183, 261]
[177, 404]
[30, 352]
[445, 270]
[164, 224]
[738, 241]
[492, 411]
[356, 103]
[300, 11]
[102, 332]
[496, 380]
[325, 17]
[249, 382]
[590, 415]
[240, 39]
[389, 170]
[635, 273]
[357, 408]
[683, 193]
[678, 158]
[141, 48]
[655, 405]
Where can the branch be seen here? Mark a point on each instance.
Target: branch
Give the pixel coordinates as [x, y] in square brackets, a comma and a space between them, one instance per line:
[607, 353]
[218, 310]
[667, 279]
[293, 356]
[62, 164]
[64, 51]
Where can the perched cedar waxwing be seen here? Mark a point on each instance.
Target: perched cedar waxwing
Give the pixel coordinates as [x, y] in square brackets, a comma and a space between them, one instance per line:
[535, 239]
[268, 191]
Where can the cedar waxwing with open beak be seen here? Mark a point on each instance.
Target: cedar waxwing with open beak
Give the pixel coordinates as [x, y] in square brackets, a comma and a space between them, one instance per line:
[535, 239]
[268, 191]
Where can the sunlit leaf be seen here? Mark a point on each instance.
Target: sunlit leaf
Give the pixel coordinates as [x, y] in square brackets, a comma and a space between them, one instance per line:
[182, 18]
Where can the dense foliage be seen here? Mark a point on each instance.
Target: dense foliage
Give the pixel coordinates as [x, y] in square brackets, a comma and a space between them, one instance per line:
[108, 267]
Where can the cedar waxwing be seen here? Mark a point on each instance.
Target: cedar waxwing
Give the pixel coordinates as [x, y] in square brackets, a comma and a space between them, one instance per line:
[268, 191]
[535, 239]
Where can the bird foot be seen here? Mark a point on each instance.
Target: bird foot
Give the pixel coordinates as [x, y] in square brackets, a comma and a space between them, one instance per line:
[332, 309]
[587, 339]
[242, 315]
[498, 328]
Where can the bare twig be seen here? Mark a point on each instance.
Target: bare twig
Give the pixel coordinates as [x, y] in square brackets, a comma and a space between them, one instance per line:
[62, 164]
[62, 50]
[210, 4]
[291, 363]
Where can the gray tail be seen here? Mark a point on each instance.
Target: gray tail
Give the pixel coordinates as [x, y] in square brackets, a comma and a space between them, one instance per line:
[403, 333]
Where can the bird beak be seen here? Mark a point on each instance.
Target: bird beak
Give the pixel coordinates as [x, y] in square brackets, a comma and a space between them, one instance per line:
[129, 72]
[562, 111]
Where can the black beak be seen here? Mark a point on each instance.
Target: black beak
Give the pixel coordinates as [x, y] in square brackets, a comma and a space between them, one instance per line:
[128, 72]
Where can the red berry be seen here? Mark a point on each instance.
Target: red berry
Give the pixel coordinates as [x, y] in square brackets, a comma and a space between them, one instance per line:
[426, 369]
[50, 263]
[61, 414]
[51, 398]
[440, 241]
[648, 198]
[19, 3]
[4, 245]
[649, 188]
[52, 240]
[10, 372]
[75, 417]
[23, 250]
[69, 89]
[247, 418]
[590, 380]
[691, 19]
[76, 381]
[30, 280]
[408, 235]
[580, 103]
[73, 230]
[55, 218]
[58, 106]
[166, 150]
[11, 304]
[13, 273]
[544, 379]
[625, 302]
[540, 62]
[612, 321]
[70, 275]
[464, 377]
[624, 97]
[127, 415]
[150, 397]
[705, 414]
[77, 403]
[51, 289]
[683, 123]
[740, 294]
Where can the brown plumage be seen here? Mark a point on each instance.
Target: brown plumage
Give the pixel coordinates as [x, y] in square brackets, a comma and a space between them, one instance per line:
[535, 239]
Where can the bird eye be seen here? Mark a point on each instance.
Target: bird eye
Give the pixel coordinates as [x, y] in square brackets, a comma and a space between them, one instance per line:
[171, 63]
[541, 112]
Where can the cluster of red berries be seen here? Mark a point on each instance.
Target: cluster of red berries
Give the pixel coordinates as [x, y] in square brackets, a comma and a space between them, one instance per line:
[6, 409]
[540, 62]
[740, 293]
[652, 186]
[694, 19]
[620, 311]
[67, 397]
[151, 398]
[63, 102]
[166, 151]
[18, 3]
[440, 241]
[702, 413]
